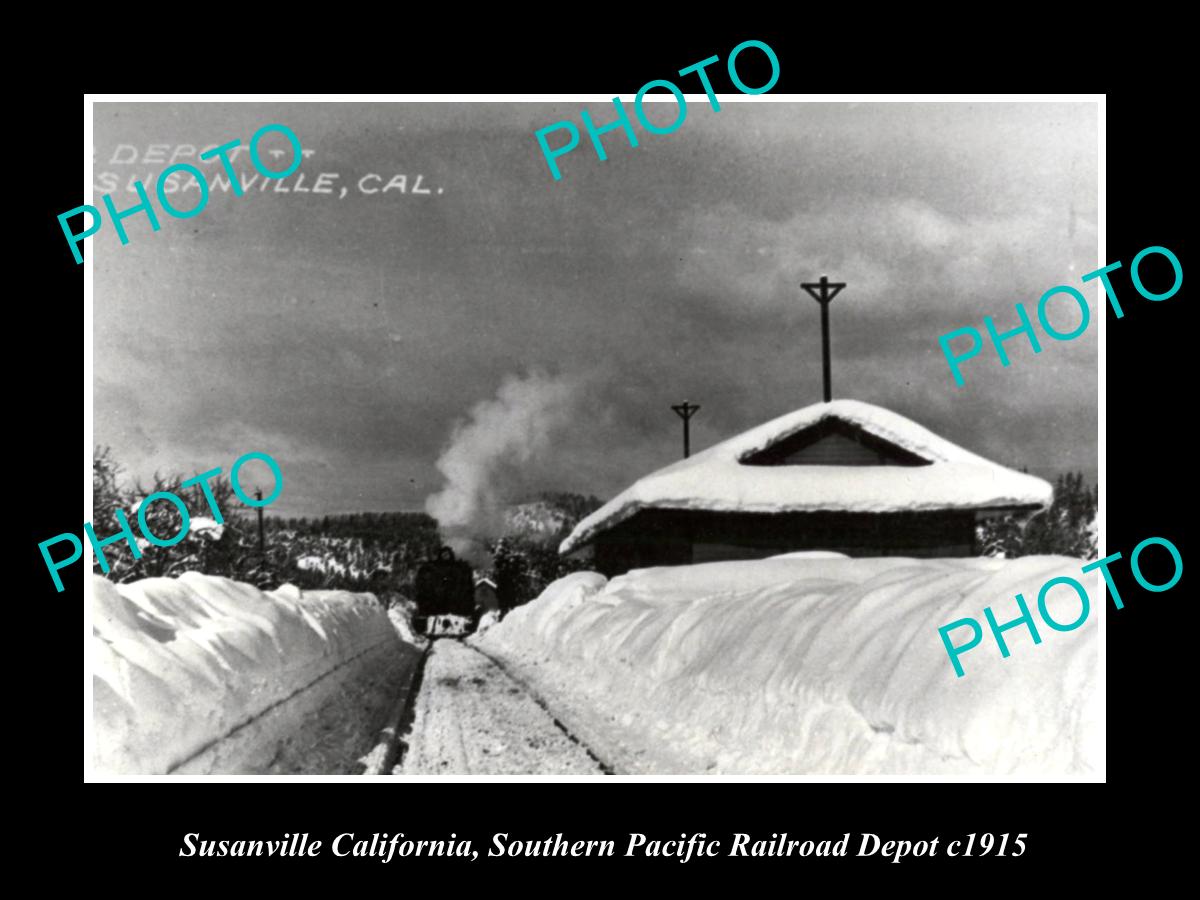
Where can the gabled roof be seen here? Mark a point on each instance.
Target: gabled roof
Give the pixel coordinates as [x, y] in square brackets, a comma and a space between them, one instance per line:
[718, 480]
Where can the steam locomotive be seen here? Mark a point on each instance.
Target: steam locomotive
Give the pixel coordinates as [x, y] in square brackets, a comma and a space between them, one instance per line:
[445, 596]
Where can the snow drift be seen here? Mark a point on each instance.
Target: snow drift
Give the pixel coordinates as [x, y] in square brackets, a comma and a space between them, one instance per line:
[205, 674]
[810, 665]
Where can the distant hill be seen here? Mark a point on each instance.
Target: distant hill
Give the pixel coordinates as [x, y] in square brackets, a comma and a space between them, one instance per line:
[548, 518]
[356, 551]
[387, 526]
[536, 520]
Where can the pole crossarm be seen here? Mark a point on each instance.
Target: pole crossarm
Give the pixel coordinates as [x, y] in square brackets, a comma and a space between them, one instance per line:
[685, 410]
[823, 291]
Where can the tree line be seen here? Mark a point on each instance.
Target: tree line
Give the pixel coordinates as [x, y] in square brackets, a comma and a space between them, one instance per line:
[370, 551]
[380, 551]
[1066, 528]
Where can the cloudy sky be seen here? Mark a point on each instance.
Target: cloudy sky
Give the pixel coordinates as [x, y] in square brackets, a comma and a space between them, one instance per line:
[532, 334]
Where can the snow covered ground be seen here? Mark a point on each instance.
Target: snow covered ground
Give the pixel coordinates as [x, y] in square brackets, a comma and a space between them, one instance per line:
[813, 665]
[472, 719]
[200, 674]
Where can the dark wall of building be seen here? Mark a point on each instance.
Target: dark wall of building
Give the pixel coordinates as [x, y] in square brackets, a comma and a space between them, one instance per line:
[833, 442]
[486, 598]
[680, 537]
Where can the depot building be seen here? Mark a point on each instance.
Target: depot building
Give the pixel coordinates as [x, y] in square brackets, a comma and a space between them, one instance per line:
[842, 476]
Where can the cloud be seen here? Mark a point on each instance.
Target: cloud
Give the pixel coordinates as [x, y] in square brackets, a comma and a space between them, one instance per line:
[353, 334]
[491, 453]
[893, 253]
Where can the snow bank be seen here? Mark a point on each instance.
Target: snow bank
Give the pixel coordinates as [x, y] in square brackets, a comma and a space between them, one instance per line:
[207, 674]
[488, 620]
[400, 615]
[794, 666]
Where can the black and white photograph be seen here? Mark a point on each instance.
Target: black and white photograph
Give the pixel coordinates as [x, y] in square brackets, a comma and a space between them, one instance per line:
[436, 438]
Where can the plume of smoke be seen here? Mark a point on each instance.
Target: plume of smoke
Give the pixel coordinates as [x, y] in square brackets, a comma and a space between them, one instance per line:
[490, 456]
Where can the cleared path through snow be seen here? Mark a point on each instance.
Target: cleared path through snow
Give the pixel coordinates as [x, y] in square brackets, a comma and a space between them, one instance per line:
[473, 719]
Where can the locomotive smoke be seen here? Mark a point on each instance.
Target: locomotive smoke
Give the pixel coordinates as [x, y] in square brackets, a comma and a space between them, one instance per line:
[487, 463]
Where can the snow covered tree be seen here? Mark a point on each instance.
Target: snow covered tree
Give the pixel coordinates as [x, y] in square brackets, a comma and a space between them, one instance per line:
[522, 568]
[106, 492]
[510, 572]
[1065, 528]
[216, 549]
[525, 559]
[1001, 537]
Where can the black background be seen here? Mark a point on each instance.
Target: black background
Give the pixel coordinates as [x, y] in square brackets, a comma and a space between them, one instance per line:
[133, 832]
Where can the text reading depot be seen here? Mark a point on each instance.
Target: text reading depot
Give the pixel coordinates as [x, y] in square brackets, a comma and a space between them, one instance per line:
[222, 152]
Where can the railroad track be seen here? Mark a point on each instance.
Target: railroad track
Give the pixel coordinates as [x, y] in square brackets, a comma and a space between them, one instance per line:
[391, 747]
[471, 715]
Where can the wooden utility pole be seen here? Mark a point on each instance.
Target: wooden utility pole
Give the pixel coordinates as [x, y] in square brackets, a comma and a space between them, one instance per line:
[823, 292]
[685, 411]
[261, 541]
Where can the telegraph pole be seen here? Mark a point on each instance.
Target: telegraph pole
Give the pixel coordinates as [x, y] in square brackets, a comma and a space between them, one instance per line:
[685, 411]
[823, 292]
[261, 542]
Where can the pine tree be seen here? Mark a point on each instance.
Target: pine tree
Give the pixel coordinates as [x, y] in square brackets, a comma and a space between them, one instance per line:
[1065, 528]
[510, 572]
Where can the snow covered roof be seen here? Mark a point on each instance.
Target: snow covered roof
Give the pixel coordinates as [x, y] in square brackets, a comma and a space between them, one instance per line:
[718, 480]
